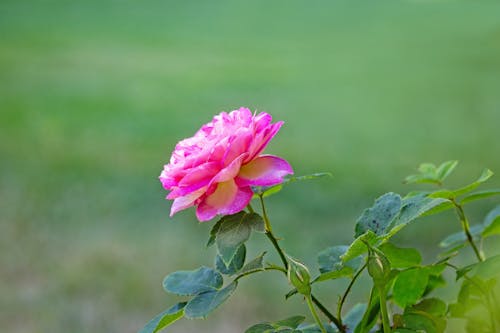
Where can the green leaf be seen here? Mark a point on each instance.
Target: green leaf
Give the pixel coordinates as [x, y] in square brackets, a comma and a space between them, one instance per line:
[254, 264]
[380, 215]
[487, 269]
[414, 207]
[291, 322]
[332, 275]
[445, 169]
[202, 304]
[479, 195]
[358, 246]
[236, 263]
[233, 231]
[260, 328]
[409, 286]
[433, 306]
[187, 283]
[401, 257]
[213, 232]
[354, 316]
[492, 223]
[485, 175]
[165, 318]
[371, 314]
[422, 322]
[330, 259]
[256, 223]
[458, 238]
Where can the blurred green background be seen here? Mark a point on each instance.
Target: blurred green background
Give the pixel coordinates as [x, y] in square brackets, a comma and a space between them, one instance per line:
[95, 94]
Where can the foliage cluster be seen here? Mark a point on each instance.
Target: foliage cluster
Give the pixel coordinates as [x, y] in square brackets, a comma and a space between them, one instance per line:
[401, 298]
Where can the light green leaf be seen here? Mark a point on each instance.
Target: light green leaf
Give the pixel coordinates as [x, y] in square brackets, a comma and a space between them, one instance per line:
[202, 304]
[165, 318]
[409, 286]
[187, 283]
[485, 175]
[233, 231]
[445, 169]
[380, 215]
[401, 257]
[423, 322]
[236, 263]
[479, 195]
[358, 246]
[492, 223]
[343, 272]
[433, 306]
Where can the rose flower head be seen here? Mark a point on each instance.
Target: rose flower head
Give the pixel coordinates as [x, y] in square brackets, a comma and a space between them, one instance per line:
[215, 169]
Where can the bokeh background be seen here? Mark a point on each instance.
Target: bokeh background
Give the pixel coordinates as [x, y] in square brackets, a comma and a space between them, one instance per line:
[95, 94]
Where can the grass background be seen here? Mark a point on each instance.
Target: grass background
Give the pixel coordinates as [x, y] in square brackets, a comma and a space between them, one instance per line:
[95, 94]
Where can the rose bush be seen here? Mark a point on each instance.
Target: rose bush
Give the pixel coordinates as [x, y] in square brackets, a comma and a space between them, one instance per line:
[215, 169]
[222, 165]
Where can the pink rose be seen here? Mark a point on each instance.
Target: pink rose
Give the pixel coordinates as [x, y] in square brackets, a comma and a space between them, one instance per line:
[215, 168]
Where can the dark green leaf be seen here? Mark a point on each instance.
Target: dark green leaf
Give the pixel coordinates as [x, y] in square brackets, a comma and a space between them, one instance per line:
[213, 232]
[234, 231]
[256, 222]
[401, 257]
[186, 283]
[492, 223]
[479, 195]
[236, 263]
[202, 304]
[409, 286]
[165, 318]
[414, 207]
[485, 175]
[380, 215]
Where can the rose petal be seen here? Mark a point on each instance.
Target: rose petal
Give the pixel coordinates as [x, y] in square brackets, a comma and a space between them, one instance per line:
[186, 201]
[227, 199]
[262, 139]
[265, 170]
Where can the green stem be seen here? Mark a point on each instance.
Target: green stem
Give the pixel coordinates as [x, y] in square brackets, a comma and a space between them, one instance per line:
[349, 287]
[273, 268]
[281, 253]
[264, 214]
[314, 313]
[466, 228]
[383, 309]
